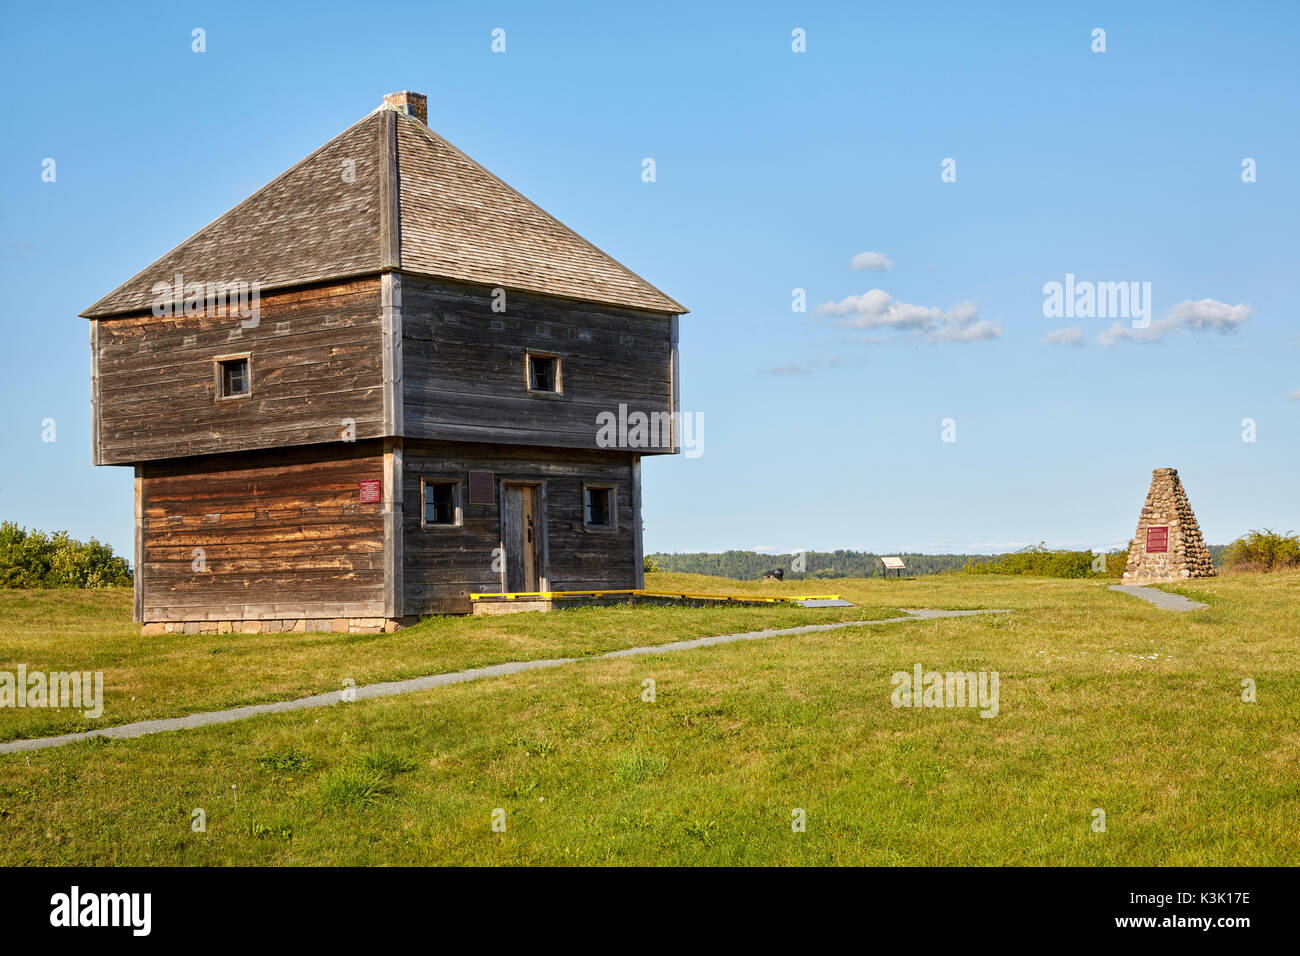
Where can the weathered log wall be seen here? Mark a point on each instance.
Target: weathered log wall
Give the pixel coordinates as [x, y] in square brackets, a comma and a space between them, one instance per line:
[316, 361]
[275, 535]
[442, 566]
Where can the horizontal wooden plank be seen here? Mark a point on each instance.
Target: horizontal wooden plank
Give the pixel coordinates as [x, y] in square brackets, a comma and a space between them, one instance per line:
[276, 528]
[464, 365]
[315, 362]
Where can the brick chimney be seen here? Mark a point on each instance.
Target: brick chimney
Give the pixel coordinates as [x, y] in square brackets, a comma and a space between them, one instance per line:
[412, 104]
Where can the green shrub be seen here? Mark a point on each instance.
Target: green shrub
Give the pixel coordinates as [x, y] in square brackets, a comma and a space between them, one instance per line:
[34, 559]
[1263, 551]
[1037, 560]
[1117, 561]
[649, 565]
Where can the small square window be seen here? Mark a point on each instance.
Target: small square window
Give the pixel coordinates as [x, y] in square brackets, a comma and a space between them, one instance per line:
[543, 373]
[233, 377]
[598, 506]
[441, 503]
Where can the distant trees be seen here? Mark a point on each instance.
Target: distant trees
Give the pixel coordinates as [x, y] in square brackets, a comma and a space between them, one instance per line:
[34, 559]
[750, 565]
[1036, 560]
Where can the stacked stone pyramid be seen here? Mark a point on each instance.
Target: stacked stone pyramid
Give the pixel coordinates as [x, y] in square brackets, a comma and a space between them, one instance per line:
[1168, 544]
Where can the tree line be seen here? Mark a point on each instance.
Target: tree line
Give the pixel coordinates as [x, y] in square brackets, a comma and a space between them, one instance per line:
[752, 565]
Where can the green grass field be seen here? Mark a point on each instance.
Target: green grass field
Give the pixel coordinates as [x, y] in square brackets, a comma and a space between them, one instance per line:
[1105, 702]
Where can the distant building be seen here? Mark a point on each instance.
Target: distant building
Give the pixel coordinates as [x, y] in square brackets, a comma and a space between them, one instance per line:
[376, 386]
[894, 564]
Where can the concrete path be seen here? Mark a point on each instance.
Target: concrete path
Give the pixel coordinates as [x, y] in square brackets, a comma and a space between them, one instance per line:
[1161, 599]
[392, 688]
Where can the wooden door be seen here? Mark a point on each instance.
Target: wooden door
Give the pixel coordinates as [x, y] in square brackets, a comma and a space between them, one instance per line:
[522, 528]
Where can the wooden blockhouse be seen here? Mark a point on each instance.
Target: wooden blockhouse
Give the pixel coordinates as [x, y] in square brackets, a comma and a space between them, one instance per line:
[375, 387]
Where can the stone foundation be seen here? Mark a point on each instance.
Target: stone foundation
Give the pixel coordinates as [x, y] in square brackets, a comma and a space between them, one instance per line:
[1167, 521]
[511, 607]
[339, 625]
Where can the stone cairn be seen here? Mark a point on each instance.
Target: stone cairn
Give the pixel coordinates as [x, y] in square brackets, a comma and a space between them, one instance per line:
[1168, 544]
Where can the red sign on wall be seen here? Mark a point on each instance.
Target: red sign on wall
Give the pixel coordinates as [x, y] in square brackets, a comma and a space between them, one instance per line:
[1158, 540]
[371, 490]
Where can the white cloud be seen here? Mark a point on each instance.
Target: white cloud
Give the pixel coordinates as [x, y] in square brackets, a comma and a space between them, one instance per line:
[806, 368]
[1071, 336]
[877, 310]
[980, 331]
[1208, 314]
[793, 368]
[1295, 394]
[874, 261]
[1152, 333]
[837, 360]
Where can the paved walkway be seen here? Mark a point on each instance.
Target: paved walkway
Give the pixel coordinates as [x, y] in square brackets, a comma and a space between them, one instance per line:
[1161, 599]
[393, 688]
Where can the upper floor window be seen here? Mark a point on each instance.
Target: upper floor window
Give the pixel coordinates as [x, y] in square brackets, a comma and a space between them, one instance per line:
[234, 376]
[543, 370]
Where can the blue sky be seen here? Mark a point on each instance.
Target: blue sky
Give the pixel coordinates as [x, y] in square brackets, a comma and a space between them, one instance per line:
[774, 169]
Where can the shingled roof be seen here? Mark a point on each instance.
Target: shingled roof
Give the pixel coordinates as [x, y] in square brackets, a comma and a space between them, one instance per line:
[389, 193]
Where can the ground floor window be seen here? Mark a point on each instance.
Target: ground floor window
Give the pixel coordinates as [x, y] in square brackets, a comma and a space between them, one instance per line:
[441, 503]
[598, 506]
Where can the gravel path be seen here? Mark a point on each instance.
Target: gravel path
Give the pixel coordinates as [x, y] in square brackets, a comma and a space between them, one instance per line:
[1161, 599]
[392, 688]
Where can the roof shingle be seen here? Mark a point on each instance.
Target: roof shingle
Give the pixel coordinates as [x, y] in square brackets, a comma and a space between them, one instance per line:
[322, 220]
